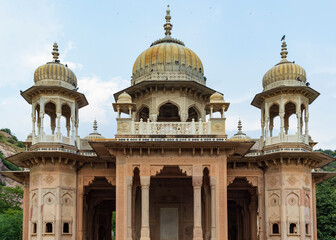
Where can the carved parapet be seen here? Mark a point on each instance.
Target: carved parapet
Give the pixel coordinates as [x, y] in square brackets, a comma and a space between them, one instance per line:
[124, 125]
[217, 126]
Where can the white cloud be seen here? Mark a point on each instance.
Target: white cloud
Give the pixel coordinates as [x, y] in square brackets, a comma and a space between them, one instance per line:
[100, 97]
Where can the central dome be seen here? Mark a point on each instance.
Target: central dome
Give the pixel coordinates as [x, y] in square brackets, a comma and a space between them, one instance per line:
[168, 59]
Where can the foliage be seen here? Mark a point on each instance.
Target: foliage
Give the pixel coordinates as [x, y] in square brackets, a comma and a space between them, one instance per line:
[6, 130]
[13, 141]
[330, 166]
[326, 202]
[10, 198]
[11, 224]
[11, 213]
[326, 209]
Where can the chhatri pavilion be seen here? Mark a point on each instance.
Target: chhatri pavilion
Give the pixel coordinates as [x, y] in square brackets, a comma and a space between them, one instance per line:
[171, 172]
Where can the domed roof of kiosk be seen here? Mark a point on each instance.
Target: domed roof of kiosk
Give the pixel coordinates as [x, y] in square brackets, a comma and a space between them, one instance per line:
[94, 134]
[240, 136]
[285, 73]
[168, 54]
[124, 98]
[55, 73]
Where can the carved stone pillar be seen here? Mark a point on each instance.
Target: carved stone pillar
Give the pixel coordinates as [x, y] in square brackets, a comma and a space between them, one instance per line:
[282, 123]
[197, 184]
[253, 218]
[129, 181]
[145, 182]
[213, 209]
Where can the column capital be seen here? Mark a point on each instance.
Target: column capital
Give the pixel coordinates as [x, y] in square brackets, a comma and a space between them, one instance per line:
[197, 181]
[129, 181]
[213, 181]
[145, 181]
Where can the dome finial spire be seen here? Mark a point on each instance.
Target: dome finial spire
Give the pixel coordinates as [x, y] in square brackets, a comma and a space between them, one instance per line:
[240, 126]
[283, 52]
[55, 52]
[95, 126]
[168, 26]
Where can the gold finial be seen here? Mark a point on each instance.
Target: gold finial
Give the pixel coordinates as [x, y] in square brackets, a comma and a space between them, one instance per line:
[283, 52]
[55, 52]
[240, 126]
[95, 126]
[168, 26]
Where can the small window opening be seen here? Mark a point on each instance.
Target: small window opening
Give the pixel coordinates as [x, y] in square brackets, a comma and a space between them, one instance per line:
[307, 228]
[49, 227]
[292, 228]
[34, 228]
[275, 228]
[66, 228]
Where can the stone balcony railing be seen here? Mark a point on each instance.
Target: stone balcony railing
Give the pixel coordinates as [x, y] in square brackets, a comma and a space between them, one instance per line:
[127, 126]
[294, 138]
[53, 138]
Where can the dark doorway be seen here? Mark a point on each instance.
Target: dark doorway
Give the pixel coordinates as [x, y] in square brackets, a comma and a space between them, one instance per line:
[242, 210]
[99, 205]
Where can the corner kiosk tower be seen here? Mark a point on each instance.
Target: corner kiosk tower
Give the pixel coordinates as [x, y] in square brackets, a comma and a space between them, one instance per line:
[169, 173]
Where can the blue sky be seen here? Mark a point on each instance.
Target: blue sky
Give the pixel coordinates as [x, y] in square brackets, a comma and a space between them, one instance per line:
[237, 41]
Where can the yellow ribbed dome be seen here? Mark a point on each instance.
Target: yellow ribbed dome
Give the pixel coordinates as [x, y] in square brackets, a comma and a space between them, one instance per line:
[55, 71]
[284, 73]
[168, 56]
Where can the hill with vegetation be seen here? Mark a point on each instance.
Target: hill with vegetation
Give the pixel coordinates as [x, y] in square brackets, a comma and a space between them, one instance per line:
[9, 145]
[11, 192]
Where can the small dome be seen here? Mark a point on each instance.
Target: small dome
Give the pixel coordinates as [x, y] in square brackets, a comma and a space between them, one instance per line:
[124, 98]
[168, 55]
[55, 73]
[94, 134]
[285, 73]
[240, 136]
[217, 98]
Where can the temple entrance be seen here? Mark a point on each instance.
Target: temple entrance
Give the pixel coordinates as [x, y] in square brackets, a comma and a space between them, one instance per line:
[99, 205]
[242, 210]
[171, 205]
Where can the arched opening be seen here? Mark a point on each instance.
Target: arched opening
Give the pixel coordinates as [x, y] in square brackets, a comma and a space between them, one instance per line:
[290, 118]
[98, 209]
[302, 120]
[37, 119]
[275, 228]
[242, 210]
[143, 114]
[171, 208]
[49, 227]
[274, 124]
[66, 228]
[192, 114]
[49, 125]
[66, 118]
[169, 113]
[292, 228]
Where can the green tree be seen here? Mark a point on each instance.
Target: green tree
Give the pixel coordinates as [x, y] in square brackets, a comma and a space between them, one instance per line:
[10, 198]
[11, 225]
[326, 209]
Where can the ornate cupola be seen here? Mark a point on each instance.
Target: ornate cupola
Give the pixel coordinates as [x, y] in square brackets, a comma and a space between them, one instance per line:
[54, 94]
[168, 93]
[168, 59]
[286, 93]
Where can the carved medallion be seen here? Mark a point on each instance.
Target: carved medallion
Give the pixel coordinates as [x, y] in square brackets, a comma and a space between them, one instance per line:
[49, 179]
[291, 180]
